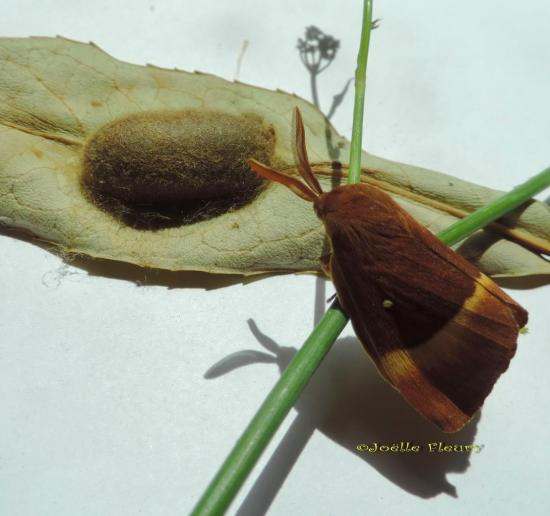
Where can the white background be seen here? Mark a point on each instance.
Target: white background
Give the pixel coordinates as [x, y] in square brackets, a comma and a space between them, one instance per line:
[104, 408]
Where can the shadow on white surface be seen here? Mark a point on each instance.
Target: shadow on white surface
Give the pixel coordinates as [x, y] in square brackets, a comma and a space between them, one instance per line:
[349, 402]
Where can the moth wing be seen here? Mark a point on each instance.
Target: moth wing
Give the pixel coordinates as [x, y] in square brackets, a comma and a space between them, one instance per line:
[457, 261]
[438, 330]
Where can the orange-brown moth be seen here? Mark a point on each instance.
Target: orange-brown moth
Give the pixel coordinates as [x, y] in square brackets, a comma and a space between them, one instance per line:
[438, 329]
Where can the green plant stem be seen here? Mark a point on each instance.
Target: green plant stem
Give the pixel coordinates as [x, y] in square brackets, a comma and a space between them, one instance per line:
[499, 206]
[271, 414]
[354, 170]
[287, 390]
[249, 447]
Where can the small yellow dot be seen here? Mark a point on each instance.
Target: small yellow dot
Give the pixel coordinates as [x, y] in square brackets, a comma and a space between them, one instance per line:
[387, 303]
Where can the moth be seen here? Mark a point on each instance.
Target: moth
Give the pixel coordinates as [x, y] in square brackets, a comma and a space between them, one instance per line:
[439, 330]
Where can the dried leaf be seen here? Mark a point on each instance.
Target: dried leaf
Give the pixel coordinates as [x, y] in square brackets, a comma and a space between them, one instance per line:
[59, 99]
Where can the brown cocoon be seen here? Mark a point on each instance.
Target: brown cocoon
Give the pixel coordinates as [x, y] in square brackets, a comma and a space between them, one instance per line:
[167, 168]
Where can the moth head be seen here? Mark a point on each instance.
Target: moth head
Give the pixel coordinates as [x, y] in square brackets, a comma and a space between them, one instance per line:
[327, 203]
[309, 188]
